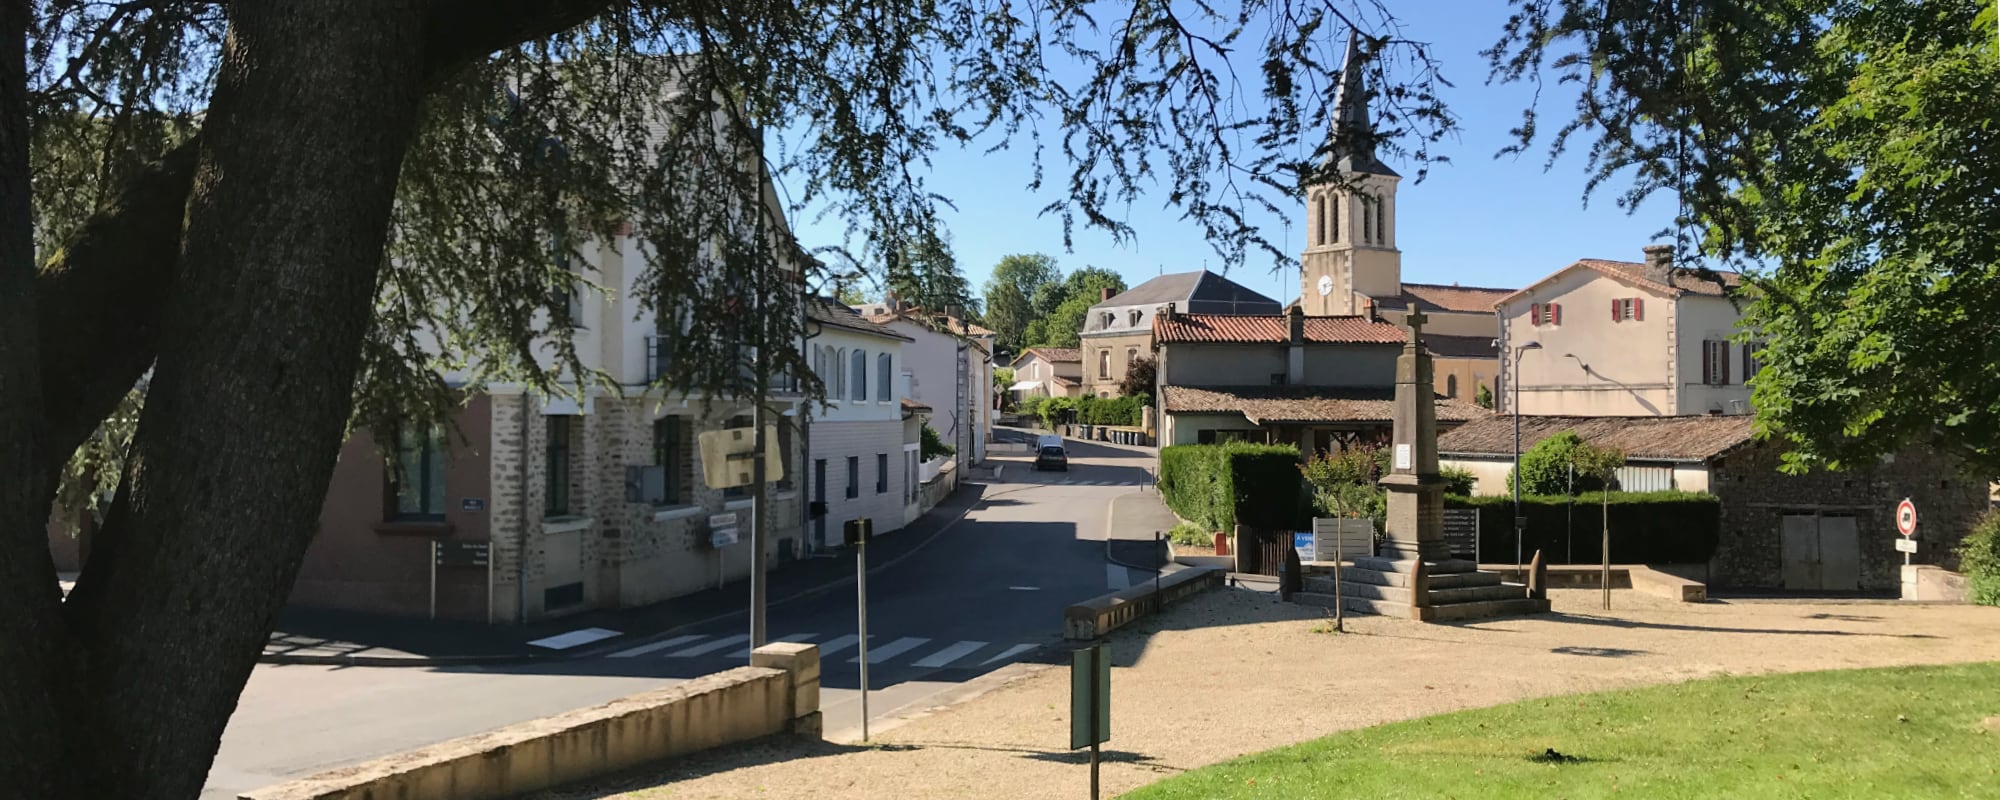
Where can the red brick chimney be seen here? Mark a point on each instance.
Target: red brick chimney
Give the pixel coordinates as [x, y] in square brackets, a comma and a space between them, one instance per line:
[1104, 294]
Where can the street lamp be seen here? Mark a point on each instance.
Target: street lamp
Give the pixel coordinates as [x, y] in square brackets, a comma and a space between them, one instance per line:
[1520, 524]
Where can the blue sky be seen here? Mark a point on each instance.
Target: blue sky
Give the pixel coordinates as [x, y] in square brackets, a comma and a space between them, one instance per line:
[1478, 221]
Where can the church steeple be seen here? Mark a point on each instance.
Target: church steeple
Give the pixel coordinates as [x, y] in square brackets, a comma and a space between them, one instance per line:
[1352, 138]
[1351, 257]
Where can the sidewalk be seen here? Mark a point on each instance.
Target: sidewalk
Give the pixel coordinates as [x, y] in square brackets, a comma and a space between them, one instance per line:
[319, 636]
[1134, 518]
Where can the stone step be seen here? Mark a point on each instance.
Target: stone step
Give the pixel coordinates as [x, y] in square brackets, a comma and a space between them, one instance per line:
[1475, 594]
[1365, 591]
[1448, 566]
[1354, 605]
[1461, 580]
[1485, 609]
[1451, 580]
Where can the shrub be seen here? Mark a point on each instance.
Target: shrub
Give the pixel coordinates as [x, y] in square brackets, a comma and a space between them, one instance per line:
[1646, 527]
[1189, 533]
[1484, 397]
[1053, 410]
[1457, 480]
[1030, 406]
[1545, 468]
[1123, 411]
[1979, 559]
[933, 445]
[1219, 485]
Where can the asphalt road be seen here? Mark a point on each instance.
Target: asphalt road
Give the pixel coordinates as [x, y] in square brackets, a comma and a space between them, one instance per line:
[986, 592]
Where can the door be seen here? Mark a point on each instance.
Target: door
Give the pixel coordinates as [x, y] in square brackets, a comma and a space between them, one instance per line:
[819, 496]
[1800, 548]
[1839, 554]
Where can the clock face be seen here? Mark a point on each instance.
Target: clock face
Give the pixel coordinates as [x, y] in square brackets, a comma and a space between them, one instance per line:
[1325, 285]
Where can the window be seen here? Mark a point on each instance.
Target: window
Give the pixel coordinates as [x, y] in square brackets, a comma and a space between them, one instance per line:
[788, 481]
[1319, 208]
[885, 372]
[1626, 308]
[1104, 365]
[419, 476]
[1715, 362]
[1131, 355]
[565, 296]
[839, 388]
[1451, 385]
[1331, 220]
[556, 467]
[1545, 314]
[1134, 317]
[1107, 318]
[859, 366]
[1381, 220]
[1367, 219]
[853, 476]
[670, 455]
[881, 473]
[737, 492]
[1750, 363]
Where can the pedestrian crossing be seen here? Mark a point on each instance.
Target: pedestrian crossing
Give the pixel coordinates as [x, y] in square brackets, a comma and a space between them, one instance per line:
[916, 651]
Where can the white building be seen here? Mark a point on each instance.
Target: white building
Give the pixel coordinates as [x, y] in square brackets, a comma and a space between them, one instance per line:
[860, 463]
[950, 364]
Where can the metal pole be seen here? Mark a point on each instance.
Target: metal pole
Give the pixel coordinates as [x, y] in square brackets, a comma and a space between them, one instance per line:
[434, 579]
[489, 581]
[1569, 523]
[861, 606]
[1515, 378]
[1339, 610]
[1605, 577]
[1096, 656]
[759, 524]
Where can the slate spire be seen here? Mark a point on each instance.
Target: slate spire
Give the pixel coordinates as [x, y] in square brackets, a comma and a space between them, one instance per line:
[1353, 135]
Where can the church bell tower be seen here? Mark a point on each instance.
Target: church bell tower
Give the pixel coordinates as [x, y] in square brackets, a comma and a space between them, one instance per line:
[1351, 253]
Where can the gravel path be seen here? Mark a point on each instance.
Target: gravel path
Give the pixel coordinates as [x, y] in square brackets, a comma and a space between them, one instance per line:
[1234, 672]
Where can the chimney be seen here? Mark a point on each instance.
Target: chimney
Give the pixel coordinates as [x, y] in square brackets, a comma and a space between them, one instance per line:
[1660, 263]
[1168, 312]
[894, 305]
[1298, 325]
[1368, 309]
[1104, 294]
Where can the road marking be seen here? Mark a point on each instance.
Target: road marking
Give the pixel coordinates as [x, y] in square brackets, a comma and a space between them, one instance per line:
[657, 646]
[836, 645]
[950, 654]
[892, 649]
[1009, 653]
[1116, 577]
[1026, 588]
[794, 637]
[704, 649]
[566, 641]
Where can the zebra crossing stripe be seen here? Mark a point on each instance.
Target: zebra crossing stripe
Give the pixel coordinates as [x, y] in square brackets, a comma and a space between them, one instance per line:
[794, 637]
[892, 649]
[705, 649]
[838, 644]
[657, 646]
[1009, 653]
[950, 654]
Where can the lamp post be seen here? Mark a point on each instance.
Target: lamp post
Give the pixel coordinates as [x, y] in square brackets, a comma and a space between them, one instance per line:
[1520, 524]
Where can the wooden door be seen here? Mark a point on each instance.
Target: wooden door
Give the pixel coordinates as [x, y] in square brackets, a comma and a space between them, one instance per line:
[1839, 554]
[1799, 548]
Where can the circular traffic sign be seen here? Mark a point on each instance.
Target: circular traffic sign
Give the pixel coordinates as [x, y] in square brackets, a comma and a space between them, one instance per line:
[1906, 517]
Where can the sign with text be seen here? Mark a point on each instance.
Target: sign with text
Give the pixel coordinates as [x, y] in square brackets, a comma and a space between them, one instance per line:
[1906, 518]
[1305, 544]
[1906, 545]
[1089, 697]
[1461, 532]
[472, 504]
[722, 537]
[449, 553]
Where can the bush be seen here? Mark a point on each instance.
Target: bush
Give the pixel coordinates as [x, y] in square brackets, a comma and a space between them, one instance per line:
[1979, 559]
[1055, 410]
[933, 445]
[1545, 468]
[1189, 533]
[1030, 406]
[1457, 480]
[1219, 485]
[1646, 527]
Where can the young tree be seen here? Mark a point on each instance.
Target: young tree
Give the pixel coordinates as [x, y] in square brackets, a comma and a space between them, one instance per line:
[1140, 377]
[264, 211]
[1081, 290]
[1010, 295]
[1776, 123]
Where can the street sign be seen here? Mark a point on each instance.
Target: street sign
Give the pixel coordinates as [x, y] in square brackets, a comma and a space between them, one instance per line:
[1906, 517]
[472, 504]
[462, 554]
[1906, 545]
[857, 531]
[1303, 542]
[726, 456]
[722, 537]
[726, 519]
[1089, 697]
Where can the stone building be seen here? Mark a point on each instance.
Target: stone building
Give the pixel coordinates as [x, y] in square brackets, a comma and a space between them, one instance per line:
[1119, 329]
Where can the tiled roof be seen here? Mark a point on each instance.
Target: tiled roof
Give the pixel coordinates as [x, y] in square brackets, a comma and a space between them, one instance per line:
[915, 317]
[914, 406]
[828, 311]
[1688, 438]
[1267, 404]
[1055, 355]
[1680, 281]
[1432, 297]
[1272, 329]
[1200, 292]
[1065, 381]
[1445, 346]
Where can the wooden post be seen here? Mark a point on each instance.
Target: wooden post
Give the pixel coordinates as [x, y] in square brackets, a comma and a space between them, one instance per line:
[1538, 578]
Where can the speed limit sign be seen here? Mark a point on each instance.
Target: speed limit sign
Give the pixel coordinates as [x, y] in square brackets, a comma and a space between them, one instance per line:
[1906, 517]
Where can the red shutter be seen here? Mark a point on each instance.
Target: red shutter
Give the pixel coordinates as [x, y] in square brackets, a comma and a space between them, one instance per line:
[1639, 308]
[1614, 310]
[1534, 313]
[1555, 313]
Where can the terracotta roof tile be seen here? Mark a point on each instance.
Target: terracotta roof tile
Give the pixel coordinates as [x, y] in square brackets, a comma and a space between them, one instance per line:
[1056, 355]
[828, 311]
[1681, 281]
[914, 406]
[1470, 299]
[1272, 329]
[1684, 438]
[1268, 404]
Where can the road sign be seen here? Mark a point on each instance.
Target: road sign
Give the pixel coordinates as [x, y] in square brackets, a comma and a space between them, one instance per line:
[461, 554]
[726, 456]
[1906, 545]
[722, 537]
[1906, 517]
[1089, 697]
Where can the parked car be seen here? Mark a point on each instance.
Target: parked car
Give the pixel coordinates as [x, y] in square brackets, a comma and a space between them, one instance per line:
[1047, 440]
[1052, 456]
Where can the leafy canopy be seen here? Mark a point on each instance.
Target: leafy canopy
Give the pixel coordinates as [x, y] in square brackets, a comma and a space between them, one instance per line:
[1565, 464]
[1069, 305]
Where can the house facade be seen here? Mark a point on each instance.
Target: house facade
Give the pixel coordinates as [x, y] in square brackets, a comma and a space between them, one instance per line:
[860, 464]
[1322, 383]
[1821, 532]
[950, 368]
[1048, 372]
[1628, 339]
[1119, 329]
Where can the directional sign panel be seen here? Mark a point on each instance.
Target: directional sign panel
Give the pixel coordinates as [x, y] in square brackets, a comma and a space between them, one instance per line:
[726, 456]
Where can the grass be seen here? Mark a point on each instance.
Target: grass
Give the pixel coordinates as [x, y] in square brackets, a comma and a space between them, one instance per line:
[1931, 732]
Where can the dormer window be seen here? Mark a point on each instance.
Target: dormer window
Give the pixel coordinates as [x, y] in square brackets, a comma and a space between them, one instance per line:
[1107, 317]
[1135, 315]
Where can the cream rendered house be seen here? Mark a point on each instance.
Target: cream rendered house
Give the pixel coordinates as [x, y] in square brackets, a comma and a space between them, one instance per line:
[1625, 339]
[1048, 372]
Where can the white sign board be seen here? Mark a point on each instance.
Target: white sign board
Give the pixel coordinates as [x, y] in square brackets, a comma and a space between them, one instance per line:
[1303, 542]
[1906, 545]
[722, 537]
[1403, 460]
[724, 520]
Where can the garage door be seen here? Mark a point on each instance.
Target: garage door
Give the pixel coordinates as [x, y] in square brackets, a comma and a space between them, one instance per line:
[1821, 552]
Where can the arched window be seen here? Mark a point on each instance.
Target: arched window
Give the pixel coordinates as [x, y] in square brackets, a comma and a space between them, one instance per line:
[839, 390]
[1319, 208]
[1451, 385]
[1381, 222]
[860, 368]
[1367, 219]
[884, 371]
[1332, 234]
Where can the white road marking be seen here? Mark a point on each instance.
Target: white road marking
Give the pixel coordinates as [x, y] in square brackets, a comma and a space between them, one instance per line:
[794, 637]
[574, 638]
[1009, 653]
[1116, 577]
[1025, 588]
[950, 654]
[704, 649]
[892, 649]
[658, 646]
[836, 645]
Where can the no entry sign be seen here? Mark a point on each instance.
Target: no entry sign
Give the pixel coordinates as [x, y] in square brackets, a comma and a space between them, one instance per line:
[1906, 517]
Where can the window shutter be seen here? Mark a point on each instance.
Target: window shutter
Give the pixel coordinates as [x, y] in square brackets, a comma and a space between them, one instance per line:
[1639, 308]
[1722, 349]
[1708, 362]
[1614, 310]
[1555, 314]
[1534, 313]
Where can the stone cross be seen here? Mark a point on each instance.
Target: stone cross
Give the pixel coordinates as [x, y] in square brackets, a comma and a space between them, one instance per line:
[1416, 320]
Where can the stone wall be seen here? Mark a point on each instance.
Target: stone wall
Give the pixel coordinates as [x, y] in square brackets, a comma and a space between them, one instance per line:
[1756, 496]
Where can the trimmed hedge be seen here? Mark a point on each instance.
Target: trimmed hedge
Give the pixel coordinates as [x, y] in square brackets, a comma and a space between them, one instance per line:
[1219, 485]
[1979, 559]
[1646, 527]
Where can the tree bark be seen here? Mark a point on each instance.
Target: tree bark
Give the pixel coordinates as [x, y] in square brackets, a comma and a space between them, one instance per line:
[312, 112]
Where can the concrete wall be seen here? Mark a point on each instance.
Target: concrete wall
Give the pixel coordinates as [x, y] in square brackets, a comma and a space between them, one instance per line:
[362, 560]
[1123, 348]
[1756, 497]
[1629, 362]
[1349, 365]
[1709, 318]
[934, 361]
[778, 693]
[1221, 364]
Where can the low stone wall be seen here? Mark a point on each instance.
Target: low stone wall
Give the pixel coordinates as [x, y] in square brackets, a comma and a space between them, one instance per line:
[935, 490]
[1934, 584]
[1101, 615]
[777, 693]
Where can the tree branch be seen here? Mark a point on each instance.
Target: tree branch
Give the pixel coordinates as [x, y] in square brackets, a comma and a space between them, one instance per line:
[464, 30]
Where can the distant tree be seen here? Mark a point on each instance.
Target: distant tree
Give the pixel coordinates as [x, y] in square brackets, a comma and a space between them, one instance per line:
[1079, 291]
[851, 296]
[1484, 397]
[1140, 377]
[1010, 295]
[925, 273]
[1003, 377]
[1565, 464]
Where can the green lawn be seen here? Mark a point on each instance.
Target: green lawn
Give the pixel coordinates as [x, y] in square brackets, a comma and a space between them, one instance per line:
[1878, 733]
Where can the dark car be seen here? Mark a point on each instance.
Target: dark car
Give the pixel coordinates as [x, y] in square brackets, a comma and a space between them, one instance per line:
[1052, 457]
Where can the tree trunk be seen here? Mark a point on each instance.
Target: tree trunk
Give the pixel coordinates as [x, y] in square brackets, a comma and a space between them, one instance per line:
[130, 690]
